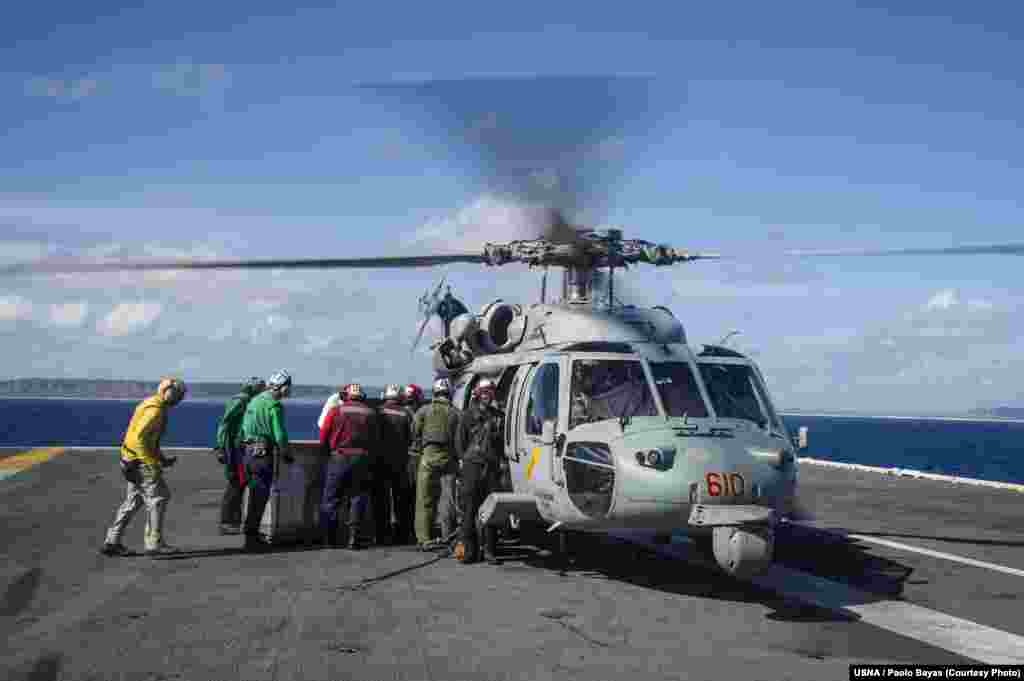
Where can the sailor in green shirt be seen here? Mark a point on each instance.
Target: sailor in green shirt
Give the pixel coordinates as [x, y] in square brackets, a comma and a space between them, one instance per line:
[264, 436]
[230, 452]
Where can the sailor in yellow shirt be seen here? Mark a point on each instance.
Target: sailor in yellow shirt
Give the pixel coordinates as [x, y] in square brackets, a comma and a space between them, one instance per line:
[142, 463]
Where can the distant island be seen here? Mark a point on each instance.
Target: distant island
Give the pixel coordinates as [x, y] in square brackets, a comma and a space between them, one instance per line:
[1000, 412]
[138, 389]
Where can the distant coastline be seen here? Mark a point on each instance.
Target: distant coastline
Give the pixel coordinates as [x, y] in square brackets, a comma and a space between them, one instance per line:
[99, 389]
[972, 418]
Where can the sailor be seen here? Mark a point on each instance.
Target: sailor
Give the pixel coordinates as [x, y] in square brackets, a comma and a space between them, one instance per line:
[230, 453]
[333, 401]
[479, 444]
[265, 440]
[391, 480]
[412, 400]
[350, 438]
[142, 464]
[433, 435]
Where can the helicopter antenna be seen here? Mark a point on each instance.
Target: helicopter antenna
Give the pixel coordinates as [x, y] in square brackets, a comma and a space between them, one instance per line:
[611, 285]
[726, 337]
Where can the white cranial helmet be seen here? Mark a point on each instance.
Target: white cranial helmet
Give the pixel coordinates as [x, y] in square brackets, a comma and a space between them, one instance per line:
[442, 386]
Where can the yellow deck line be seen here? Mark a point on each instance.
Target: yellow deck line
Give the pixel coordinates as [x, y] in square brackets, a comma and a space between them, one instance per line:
[13, 465]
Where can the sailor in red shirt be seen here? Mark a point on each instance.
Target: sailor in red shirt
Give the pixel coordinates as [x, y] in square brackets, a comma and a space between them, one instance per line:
[350, 437]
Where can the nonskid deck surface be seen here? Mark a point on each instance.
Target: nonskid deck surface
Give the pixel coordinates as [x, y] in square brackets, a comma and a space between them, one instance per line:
[621, 608]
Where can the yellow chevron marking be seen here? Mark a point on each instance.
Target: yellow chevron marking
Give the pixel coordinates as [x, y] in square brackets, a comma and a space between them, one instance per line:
[20, 462]
[534, 460]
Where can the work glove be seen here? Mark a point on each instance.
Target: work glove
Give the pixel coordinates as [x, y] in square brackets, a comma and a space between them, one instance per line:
[221, 455]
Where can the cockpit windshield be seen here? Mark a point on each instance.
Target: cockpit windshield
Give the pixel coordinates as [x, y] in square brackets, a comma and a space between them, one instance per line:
[678, 389]
[609, 389]
[735, 392]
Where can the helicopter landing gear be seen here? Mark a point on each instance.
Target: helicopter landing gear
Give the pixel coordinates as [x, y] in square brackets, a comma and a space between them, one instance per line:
[565, 560]
[743, 552]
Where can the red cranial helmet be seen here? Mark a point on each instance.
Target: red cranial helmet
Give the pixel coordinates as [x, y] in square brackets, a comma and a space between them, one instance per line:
[485, 387]
[413, 393]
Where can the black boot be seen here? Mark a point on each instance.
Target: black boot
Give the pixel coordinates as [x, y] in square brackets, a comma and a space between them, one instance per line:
[490, 542]
[254, 543]
[329, 537]
[353, 539]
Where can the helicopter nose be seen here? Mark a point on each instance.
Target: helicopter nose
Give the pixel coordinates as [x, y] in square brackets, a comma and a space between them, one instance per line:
[662, 476]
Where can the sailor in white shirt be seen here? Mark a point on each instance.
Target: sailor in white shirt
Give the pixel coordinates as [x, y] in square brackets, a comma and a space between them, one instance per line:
[333, 401]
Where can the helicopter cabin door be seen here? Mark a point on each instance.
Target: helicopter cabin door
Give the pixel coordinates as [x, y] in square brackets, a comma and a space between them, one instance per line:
[538, 425]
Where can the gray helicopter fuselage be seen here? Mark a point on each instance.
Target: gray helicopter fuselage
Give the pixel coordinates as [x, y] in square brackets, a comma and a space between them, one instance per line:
[684, 440]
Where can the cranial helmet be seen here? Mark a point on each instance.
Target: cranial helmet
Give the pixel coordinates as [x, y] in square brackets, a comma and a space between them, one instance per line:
[485, 385]
[392, 392]
[354, 391]
[254, 385]
[413, 393]
[442, 386]
[279, 381]
[173, 389]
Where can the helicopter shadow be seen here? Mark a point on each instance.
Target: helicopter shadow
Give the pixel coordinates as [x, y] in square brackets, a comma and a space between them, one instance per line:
[832, 555]
[611, 558]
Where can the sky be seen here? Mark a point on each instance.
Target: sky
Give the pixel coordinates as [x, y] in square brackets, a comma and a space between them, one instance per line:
[237, 130]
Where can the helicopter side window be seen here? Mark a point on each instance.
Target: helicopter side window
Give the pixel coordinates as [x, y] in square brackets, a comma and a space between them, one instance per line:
[678, 389]
[609, 389]
[543, 402]
[731, 387]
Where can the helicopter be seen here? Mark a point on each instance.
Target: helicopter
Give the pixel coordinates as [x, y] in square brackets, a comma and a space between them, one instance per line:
[612, 420]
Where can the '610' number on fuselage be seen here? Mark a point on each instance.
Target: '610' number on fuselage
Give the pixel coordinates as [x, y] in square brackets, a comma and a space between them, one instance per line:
[725, 484]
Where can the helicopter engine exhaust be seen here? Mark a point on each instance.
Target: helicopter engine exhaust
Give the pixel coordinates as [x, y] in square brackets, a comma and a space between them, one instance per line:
[743, 551]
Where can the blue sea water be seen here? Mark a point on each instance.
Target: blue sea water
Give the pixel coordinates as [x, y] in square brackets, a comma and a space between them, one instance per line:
[988, 450]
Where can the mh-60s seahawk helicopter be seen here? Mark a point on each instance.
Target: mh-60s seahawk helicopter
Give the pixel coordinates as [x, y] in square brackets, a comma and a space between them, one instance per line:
[611, 419]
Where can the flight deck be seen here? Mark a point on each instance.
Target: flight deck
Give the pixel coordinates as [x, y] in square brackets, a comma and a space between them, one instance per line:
[879, 569]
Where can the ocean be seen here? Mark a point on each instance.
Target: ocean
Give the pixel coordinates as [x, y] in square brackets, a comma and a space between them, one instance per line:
[988, 450]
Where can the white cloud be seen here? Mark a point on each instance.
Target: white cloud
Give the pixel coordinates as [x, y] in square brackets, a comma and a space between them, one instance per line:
[943, 300]
[129, 318]
[68, 315]
[73, 89]
[24, 251]
[488, 218]
[271, 329]
[15, 308]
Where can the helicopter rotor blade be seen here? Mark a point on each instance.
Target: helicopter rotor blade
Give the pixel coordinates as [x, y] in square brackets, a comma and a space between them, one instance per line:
[552, 141]
[310, 263]
[983, 249]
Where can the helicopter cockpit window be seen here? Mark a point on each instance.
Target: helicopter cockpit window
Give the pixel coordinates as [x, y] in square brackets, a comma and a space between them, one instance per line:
[543, 402]
[609, 389]
[732, 390]
[678, 389]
